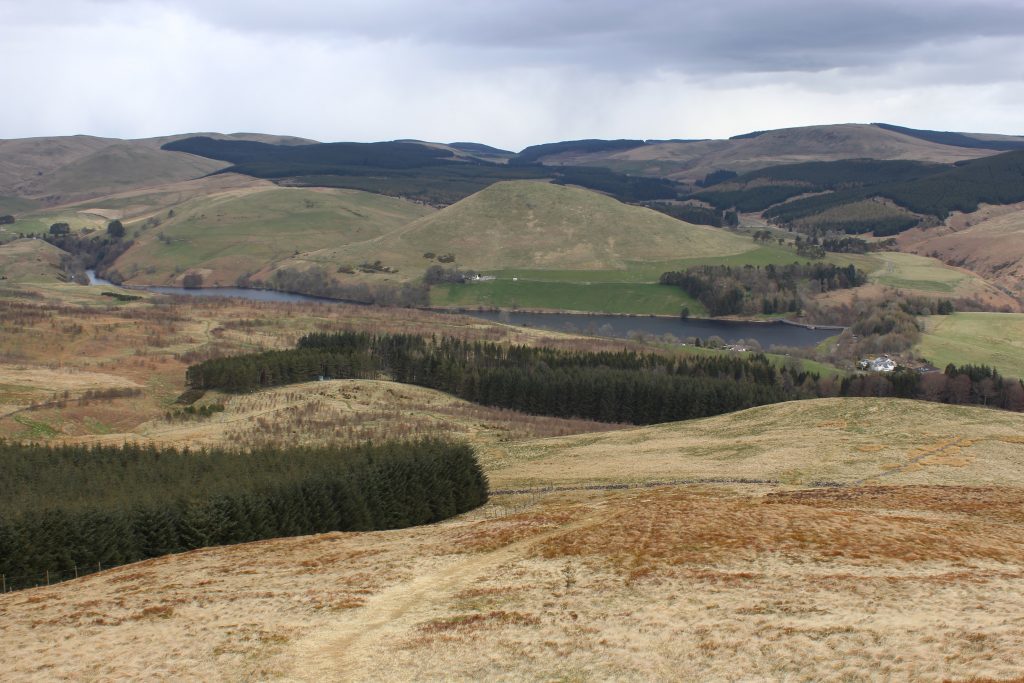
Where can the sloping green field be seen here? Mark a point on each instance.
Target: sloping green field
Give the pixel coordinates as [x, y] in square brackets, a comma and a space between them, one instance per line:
[995, 339]
[537, 225]
[234, 233]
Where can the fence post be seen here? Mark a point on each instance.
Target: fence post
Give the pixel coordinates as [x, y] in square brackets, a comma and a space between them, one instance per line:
[3, 578]
[76, 569]
[47, 577]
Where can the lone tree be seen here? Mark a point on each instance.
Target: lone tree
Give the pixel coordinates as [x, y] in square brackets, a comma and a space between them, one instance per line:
[60, 229]
[115, 229]
[6, 219]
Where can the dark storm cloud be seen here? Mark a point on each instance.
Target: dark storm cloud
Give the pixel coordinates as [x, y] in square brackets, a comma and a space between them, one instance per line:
[510, 72]
[612, 35]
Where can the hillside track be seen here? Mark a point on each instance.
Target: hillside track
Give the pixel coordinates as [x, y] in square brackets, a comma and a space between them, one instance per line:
[340, 652]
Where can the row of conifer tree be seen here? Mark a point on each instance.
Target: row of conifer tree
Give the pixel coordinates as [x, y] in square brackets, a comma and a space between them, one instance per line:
[623, 386]
[76, 506]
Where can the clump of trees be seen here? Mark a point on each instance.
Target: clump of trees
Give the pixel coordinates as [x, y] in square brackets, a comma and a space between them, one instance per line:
[753, 290]
[316, 281]
[68, 506]
[436, 275]
[696, 214]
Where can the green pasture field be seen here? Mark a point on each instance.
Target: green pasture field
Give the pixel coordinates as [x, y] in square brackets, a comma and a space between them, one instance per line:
[597, 297]
[994, 339]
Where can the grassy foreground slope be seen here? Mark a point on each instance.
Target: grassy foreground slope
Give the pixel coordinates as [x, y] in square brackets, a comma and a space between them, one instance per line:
[732, 581]
[993, 339]
[533, 224]
[843, 440]
[232, 233]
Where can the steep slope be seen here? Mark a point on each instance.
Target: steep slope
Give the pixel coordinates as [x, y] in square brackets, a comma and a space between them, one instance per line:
[232, 233]
[989, 241]
[531, 224]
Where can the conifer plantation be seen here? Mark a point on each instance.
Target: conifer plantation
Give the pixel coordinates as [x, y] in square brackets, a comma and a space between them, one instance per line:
[65, 507]
[623, 386]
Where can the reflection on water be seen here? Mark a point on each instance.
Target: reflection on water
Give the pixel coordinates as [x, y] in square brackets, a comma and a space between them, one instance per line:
[766, 334]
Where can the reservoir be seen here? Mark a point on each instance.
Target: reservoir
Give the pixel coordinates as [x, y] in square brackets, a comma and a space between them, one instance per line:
[767, 334]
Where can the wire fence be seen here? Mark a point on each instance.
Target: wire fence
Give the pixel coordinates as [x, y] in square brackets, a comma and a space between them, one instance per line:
[11, 582]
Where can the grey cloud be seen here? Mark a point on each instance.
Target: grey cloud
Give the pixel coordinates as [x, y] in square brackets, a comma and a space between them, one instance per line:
[612, 35]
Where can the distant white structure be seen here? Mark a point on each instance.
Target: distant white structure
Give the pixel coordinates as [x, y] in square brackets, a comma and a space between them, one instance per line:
[879, 364]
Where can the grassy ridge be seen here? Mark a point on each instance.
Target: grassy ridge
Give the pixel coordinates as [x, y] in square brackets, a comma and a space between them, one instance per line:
[531, 224]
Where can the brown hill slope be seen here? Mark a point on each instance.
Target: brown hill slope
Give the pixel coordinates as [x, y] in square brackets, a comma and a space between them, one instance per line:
[58, 170]
[906, 580]
[691, 161]
[989, 242]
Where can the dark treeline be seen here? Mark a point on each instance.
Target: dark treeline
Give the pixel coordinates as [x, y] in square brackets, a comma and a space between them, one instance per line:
[97, 251]
[758, 190]
[625, 188]
[68, 506]
[750, 290]
[997, 179]
[624, 386]
[955, 139]
[316, 281]
[806, 209]
[963, 385]
[698, 215]
[855, 245]
[534, 153]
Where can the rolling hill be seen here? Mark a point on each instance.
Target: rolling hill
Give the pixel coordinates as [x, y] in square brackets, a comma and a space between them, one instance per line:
[243, 231]
[920, 543]
[537, 225]
[30, 261]
[989, 242]
[691, 161]
[57, 170]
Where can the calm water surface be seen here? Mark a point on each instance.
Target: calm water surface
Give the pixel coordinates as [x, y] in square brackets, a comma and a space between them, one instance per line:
[766, 334]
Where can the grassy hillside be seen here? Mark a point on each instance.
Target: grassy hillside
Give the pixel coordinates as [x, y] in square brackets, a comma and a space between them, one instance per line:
[29, 261]
[245, 231]
[989, 242]
[994, 339]
[846, 441]
[527, 224]
[727, 581]
[58, 170]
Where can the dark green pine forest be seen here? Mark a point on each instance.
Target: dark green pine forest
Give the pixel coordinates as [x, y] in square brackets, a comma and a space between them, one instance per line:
[79, 508]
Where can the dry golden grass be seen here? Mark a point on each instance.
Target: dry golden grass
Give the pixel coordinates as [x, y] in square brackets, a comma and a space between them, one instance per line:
[842, 441]
[716, 583]
[65, 340]
[912, 568]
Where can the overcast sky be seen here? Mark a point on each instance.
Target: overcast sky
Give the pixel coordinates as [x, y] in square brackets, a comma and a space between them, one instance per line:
[507, 73]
